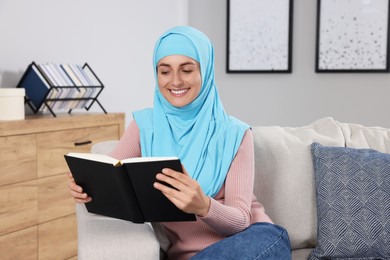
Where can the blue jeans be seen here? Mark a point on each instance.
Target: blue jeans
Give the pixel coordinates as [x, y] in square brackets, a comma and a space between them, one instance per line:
[259, 241]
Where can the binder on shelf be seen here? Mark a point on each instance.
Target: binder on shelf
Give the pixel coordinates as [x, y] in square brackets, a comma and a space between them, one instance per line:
[51, 87]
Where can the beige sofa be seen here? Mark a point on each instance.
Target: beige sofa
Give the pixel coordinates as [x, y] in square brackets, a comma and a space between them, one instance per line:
[284, 184]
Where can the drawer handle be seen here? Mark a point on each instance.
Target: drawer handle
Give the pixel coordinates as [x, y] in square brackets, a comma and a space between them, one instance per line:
[82, 143]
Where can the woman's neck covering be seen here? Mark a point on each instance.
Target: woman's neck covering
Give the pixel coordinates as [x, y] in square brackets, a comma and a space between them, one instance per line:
[201, 134]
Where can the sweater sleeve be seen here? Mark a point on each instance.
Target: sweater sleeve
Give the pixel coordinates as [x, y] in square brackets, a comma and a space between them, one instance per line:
[232, 212]
[129, 144]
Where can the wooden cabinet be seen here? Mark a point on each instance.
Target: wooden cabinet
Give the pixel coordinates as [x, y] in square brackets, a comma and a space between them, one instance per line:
[37, 214]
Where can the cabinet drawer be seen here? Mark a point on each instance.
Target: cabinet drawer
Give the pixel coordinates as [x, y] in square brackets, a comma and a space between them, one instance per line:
[20, 245]
[52, 146]
[17, 159]
[58, 238]
[54, 200]
[18, 206]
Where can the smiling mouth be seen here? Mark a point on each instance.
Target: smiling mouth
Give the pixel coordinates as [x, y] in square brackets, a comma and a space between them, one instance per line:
[179, 91]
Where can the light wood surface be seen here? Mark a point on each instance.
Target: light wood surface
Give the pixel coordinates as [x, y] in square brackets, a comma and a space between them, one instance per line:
[53, 198]
[52, 146]
[37, 214]
[17, 164]
[22, 244]
[48, 123]
[18, 206]
[58, 238]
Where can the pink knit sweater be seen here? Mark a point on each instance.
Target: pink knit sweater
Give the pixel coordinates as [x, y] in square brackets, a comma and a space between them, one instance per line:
[232, 210]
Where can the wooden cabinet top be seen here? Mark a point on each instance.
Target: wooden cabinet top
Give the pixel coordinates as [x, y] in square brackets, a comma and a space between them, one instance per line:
[47, 123]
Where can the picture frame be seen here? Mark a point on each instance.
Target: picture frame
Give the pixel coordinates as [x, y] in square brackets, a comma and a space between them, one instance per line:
[259, 36]
[352, 36]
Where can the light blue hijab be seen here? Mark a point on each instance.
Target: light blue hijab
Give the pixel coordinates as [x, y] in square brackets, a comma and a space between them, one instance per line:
[201, 134]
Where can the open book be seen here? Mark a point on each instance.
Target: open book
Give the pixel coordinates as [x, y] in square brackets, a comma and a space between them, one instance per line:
[124, 189]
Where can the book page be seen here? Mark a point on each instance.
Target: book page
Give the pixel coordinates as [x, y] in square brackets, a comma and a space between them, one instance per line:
[107, 159]
[147, 159]
[96, 157]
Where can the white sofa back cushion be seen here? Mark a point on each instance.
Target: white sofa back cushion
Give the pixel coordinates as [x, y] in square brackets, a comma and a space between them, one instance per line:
[359, 136]
[284, 175]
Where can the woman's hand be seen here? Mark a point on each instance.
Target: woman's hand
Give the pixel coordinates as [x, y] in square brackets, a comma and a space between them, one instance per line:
[77, 192]
[188, 195]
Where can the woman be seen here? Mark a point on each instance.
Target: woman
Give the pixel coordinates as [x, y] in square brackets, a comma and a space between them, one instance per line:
[216, 150]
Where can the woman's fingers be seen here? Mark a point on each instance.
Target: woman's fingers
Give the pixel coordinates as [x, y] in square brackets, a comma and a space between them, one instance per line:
[77, 192]
[186, 193]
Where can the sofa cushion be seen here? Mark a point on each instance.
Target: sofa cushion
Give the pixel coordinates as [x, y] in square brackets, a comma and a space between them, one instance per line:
[284, 175]
[359, 136]
[353, 203]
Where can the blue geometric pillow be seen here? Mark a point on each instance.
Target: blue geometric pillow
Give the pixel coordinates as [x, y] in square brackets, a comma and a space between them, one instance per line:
[353, 203]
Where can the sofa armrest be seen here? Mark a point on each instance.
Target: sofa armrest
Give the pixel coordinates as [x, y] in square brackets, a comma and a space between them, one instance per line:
[102, 237]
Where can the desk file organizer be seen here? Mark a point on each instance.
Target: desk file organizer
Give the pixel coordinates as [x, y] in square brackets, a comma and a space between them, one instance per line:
[52, 87]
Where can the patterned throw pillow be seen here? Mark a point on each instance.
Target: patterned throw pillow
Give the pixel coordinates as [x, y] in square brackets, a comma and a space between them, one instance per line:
[353, 203]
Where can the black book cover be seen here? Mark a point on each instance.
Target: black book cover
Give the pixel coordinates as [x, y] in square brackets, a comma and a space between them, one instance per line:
[125, 190]
[142, 176]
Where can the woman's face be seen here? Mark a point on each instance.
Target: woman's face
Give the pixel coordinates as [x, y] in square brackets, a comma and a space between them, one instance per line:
[179, 79]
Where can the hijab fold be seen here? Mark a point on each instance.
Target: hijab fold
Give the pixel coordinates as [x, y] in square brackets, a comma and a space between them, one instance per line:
[201, 134]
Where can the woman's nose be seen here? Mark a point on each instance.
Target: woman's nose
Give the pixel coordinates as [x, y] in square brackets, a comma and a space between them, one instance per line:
[176, 81]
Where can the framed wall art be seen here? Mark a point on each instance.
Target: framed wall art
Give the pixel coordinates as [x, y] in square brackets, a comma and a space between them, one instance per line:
[259, 36]
[352, 36]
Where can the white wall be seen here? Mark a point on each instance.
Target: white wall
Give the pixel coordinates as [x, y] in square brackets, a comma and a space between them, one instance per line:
[115, 37]
[298, 98]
